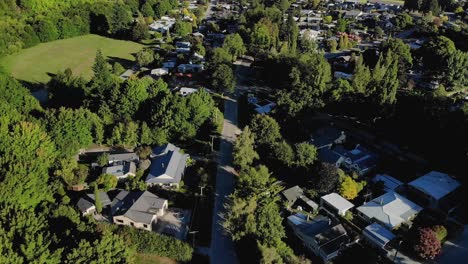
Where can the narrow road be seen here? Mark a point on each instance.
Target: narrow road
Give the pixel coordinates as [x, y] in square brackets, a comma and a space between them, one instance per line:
[222, 247]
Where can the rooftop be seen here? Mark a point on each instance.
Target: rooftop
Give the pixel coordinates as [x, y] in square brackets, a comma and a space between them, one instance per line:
[436, 184]
[337, 201]
[138, 206]
[390, 209]
[379, 234]
[390, 183]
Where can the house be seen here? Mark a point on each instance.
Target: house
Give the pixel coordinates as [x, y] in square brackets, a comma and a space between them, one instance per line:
[86, 204]
[326, 137]
[127, 74]
[390, 183]
[167, 167]
[184, 91]
[138, 209]
[434, 187]
[335, 203]
[121, 170]
[265, 109]
[320, 235]
[295, 196]
[163, 25]
[190, 68]
[183, 47]
[169, 65]
[378, 235]
[352, 14]
[390, 210]
[119, 157]
[360, 160]
[160, 72]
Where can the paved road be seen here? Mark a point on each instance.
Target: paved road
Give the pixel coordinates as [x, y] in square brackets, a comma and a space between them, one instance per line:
[222, 247]
[455, 252]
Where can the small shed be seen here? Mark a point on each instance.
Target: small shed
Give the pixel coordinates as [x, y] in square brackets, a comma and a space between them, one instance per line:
[378, 235]
[336, 203]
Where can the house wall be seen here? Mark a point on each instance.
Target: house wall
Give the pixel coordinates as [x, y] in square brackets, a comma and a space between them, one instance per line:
[122, 220]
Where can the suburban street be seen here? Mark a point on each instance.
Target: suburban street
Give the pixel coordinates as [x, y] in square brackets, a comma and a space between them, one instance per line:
[222, 247]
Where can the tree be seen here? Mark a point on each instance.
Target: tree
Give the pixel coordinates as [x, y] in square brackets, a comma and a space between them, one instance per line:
[344, 42]
[265, 129]
[117, 68]
[427, 245]
[306, 154]
[219, 56]
[182, 28]
[260, 36]
[244, 153]
[107, 181]
[327, 19]
[140, 30]
[147, 10]
[97, 198]
[457, 70]
[27, 154]
[144, 57]
[103, 159]
[283, 152]
[222, 79]
[349, 188]
[361, 77]
[327, 178]
[341, 25]
[332, 44]
[46, 30]
[143, 151]
[436, 53]
[102, 78]
[291, 31]
[440, 232]
[234, 44]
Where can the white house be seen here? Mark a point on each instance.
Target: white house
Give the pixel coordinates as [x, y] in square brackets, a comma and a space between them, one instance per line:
[160, 72]
[390, 210]
[335, 203]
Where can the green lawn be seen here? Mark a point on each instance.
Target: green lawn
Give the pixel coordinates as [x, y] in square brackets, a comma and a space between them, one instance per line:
[34, 64]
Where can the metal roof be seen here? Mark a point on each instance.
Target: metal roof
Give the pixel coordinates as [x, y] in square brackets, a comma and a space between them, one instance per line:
[435, 184]
[338, 201]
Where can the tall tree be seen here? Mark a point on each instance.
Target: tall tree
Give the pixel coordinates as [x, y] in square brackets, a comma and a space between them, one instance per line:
[234, 45]
[244, 153]
[265, 129]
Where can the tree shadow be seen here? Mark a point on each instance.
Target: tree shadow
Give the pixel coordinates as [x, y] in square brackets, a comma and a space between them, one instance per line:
[124, 62]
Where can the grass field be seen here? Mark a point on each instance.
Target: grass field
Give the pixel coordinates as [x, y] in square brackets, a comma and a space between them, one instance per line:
[35, 64]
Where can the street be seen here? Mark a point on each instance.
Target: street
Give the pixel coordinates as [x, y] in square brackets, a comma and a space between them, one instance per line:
[222, 247]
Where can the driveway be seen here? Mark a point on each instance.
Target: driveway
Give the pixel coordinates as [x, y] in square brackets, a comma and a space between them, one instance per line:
[455, 252]
[222, 247]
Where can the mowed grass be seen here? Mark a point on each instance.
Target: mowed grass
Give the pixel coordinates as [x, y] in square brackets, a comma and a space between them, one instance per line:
[35, 64]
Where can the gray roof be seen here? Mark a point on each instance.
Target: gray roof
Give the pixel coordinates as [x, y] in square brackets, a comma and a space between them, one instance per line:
[337, 201]
[84, 204]
[378, 234]
[120, 170]
[103, 197]
[164, 149]
[129, 156]
[328, 235]
[390, 209]
[326, 136]
[138, 206]
[167, 168]
[292, 194]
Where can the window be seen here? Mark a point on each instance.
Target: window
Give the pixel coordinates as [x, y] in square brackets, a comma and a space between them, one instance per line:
[144, 225]
[119, 221]
[132, 224]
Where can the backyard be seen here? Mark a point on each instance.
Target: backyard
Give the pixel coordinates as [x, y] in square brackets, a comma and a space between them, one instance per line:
[36, 64]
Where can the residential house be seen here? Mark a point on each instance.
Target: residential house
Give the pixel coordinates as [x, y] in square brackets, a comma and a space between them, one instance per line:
[183, 47]
[138, 209]
[190, 68]
[121, 170]
[326, 137]
[295, 197]
[167, 167]
[335, 203]
[378, 235]
[184, 91]
[119, 157]
[360, 160]
[390, 210]
[87, 203]
[320, 235]
[163, 25]
[159, 72]
[353, 14]
[127, 74]
[434, 188]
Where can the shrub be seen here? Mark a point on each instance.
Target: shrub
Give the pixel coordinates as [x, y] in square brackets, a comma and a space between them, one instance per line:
[427, 245]
[440, 232]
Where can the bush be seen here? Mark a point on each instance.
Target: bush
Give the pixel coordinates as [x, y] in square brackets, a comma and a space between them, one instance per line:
[427, 245]
[161, 245]
[440, 232]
